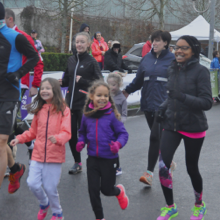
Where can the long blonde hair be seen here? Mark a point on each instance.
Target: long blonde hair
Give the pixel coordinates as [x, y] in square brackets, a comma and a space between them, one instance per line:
[92, 89]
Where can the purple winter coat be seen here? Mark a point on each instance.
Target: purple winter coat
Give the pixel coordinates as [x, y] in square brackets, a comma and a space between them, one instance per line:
[98, 133]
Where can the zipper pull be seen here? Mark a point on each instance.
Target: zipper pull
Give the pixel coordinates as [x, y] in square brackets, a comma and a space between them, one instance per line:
[155, 62]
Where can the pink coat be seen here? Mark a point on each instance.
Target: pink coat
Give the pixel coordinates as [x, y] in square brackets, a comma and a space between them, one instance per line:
[98, 48]
[45, 124]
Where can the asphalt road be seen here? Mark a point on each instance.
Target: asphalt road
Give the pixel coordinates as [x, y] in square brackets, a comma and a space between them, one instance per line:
[145, 202]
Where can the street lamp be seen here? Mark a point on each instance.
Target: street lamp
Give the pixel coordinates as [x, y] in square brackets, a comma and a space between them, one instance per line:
[211, 5]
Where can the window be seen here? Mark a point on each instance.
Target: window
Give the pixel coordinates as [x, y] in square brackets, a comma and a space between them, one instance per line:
[137, 52]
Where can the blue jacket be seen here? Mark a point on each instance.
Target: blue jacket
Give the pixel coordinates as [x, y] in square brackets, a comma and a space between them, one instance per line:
[98, 133]
[215, 63]
[12, 46]
[152, 76]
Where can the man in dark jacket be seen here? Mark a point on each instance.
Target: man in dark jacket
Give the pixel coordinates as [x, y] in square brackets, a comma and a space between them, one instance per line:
[113, 59]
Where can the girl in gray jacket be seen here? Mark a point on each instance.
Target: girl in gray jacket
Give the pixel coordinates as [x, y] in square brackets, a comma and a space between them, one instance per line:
[115, 81]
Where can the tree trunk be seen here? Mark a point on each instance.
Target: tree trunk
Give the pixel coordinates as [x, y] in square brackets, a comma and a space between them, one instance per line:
[64, 26]
[161, 15]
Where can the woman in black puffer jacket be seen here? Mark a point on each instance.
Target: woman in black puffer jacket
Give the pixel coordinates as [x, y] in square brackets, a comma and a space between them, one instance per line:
[82, 70]
[189, 95]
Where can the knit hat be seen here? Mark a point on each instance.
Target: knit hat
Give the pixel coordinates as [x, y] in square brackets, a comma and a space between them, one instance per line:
[193, 43]
[2, 11]
[116, 44]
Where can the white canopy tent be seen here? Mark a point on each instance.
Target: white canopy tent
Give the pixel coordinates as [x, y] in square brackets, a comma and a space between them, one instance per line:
[198, 28]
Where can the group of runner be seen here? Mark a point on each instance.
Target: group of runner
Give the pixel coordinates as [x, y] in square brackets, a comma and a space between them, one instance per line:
[176, 91]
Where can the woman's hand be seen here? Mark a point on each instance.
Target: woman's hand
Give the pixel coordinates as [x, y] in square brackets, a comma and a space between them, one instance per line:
[175, 94]
[52, 139]
[14, 142]
[103, 53]
[78, 78]
[125, 94]
[60, 81]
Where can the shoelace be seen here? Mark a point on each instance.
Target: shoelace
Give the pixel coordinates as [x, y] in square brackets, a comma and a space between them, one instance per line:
[164, 211]
[12, 178]
[43, 211]
[196, 211]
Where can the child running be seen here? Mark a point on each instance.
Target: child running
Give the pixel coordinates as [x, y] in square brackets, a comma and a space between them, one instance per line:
[51, 128]
[115, 81]
[104, 134]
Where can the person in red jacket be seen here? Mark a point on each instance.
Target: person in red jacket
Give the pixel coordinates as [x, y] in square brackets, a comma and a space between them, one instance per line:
[38, 69]
[147, 47]
[99, 47]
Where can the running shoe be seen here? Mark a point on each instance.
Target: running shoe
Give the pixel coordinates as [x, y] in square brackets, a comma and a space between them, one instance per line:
[168, 213]
[43, 211]
[199, 212]
[118, 171]
[57, 217]
[75, 169]
[122, 197]
[147, 178]
[14, 179]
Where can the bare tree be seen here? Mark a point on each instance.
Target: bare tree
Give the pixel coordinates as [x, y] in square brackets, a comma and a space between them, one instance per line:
[183, 10]
[62, 10]
[145, 9]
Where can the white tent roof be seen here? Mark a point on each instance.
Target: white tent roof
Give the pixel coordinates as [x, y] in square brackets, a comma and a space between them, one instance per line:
[198, 28]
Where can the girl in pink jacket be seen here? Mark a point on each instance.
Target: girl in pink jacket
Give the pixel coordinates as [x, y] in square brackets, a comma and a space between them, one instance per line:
[51, 129]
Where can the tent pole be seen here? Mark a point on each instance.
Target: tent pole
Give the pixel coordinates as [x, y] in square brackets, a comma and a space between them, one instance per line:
[211, 31]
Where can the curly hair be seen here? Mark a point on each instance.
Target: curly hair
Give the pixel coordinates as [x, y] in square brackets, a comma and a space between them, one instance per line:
[57, 101]
[92, 90]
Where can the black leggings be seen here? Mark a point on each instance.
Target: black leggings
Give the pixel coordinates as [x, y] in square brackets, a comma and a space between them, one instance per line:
[170, 141]
[101, 177]
[76, 117]
[155, 128]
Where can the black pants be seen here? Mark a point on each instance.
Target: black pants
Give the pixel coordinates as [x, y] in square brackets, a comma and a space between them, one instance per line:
[156, 129]
[76, 117]
[101, 177]
[169, 143]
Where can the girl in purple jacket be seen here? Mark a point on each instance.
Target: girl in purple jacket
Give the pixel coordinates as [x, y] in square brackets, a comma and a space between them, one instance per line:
[104, 134]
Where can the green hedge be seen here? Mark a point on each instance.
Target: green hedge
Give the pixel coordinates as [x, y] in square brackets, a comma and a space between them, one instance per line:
[55, 61]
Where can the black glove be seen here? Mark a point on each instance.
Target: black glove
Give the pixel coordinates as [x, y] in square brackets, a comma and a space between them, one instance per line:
[160, 114]
[175, 94]
[13, 77]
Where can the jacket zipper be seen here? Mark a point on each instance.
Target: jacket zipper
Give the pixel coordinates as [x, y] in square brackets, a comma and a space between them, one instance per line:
[175, 104]
[74, 80]
[97, 145]
[46, 135]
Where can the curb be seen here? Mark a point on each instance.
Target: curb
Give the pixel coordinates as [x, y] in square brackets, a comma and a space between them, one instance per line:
[134, 112]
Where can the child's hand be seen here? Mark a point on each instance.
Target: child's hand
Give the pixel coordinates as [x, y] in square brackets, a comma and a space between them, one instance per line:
[14, 142]
[52, 139]
[115, 146]
[79, 146]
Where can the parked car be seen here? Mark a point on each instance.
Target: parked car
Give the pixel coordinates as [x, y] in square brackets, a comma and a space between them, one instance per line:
[133, 57]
